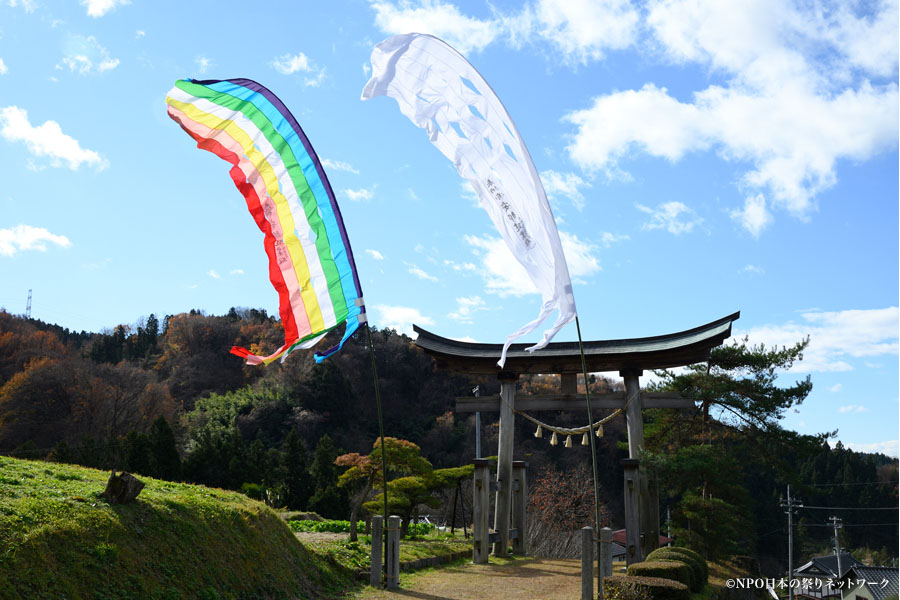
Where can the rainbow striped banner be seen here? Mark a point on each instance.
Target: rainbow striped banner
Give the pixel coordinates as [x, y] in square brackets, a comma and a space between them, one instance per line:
[280, 176]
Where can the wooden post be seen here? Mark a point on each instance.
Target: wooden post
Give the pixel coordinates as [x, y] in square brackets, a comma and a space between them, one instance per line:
[377, 537]
[649, 513]
[519, 501]
[587, 563]
[646, 515]
[633, 551]
[604, 560]
[504, 461]
[480, 506]
[393, 552]
[633, 403]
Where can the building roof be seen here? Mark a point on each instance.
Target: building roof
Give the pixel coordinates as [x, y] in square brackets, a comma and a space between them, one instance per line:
[619, 538]
[657, 352]
[826, 566]
[881, 581]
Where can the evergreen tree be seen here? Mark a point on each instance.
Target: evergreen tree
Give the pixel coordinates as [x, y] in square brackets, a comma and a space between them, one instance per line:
[165, 458]
[297, 480]
[328, 500]
[138, 458]
[702, 463]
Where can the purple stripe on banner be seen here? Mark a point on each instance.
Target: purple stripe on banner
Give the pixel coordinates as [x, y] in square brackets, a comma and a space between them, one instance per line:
[279, 105]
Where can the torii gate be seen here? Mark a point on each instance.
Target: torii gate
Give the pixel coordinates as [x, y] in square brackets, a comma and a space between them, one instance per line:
[630, 357]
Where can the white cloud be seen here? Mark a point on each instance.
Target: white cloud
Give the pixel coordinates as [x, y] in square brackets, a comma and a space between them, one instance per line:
[836, 388]
[46, 140]
[674, 217]
[583, 29]
[27, 5]
[567, 185]
[26, 237]
[835, 337]
[608, 239]
[459, 267]
[375, 254]
[400, 318]
[236, 272]
[3, 69]
[360, 194]
[753, 270]
[84, 55]
[203, 64]
[799, 93]
[466, 34]
[288, 64]
[852, 408]
[415, 270]
[139, 34]
[215, 275]
[889, 448]
[339, 165]
[504, 275]
[754, 217]
[98, 8]
[465, 307]
[579, 30]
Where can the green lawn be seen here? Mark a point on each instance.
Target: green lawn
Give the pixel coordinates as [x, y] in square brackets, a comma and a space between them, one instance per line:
[58, 539]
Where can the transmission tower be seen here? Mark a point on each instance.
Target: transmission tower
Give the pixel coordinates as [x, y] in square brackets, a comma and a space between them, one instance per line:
[28, 306]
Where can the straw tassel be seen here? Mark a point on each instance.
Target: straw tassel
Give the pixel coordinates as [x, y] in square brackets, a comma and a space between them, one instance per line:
[539, 433]
[553, 440]
[568, 441]
[584, 439]
[600, 430]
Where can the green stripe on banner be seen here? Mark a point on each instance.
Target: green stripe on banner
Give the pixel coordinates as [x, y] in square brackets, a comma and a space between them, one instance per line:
[295, 172]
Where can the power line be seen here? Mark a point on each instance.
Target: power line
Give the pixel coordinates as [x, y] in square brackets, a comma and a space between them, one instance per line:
[846, 525]
[853, 507]
[857, 483]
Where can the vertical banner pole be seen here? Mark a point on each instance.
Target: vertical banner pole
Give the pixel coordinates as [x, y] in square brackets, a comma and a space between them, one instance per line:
[587, 396]
[381, 434]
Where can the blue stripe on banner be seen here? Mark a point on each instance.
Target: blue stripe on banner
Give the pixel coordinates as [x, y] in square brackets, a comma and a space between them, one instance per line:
[279, 121]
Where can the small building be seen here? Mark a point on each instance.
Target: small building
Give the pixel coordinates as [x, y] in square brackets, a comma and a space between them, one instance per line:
[869, 583]
[818, 578]
[618, 545]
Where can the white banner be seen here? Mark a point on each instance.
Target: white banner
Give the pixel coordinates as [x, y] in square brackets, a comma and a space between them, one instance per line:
[439, 91]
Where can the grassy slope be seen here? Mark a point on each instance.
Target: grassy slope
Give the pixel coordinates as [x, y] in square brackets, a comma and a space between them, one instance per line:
[58, 539]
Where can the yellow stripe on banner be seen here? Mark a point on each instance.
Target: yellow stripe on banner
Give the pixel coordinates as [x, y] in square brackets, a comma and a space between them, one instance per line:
[295, 249]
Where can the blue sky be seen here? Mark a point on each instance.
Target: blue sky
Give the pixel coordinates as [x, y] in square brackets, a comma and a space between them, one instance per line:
[700, 157]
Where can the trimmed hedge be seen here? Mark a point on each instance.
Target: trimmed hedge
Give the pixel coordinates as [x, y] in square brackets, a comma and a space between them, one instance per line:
[627, 587]
[689, 557]
[666, 569]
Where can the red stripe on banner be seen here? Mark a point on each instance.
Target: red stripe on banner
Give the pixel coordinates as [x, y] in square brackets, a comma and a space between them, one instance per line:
[291, 333]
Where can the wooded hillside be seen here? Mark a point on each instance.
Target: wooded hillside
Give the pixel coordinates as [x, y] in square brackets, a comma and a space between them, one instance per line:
[165, 398]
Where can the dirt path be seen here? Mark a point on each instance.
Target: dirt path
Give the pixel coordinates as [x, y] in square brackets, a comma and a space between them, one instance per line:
[527, 578]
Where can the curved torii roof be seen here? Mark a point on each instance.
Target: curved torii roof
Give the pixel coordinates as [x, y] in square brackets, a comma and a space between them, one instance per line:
[657, 352]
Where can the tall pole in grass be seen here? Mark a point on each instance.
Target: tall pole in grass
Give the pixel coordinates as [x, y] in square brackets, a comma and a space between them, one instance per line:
[383, 453]
[587, 396]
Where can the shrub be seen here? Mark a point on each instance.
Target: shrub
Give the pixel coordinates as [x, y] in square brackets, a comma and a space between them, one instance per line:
[335, 526]
[626, 587]
[685, 555]
[666, 569]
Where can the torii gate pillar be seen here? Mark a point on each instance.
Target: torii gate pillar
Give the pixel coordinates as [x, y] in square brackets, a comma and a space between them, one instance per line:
[502, 504]
[645, 520]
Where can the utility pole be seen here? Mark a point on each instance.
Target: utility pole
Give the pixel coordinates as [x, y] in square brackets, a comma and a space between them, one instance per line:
[28, 306]
[791, 504]
[477, 427]
[838, 524]
[668, 522]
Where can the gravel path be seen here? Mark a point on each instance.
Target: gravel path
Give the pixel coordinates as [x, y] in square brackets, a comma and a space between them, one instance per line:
[526, 578]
